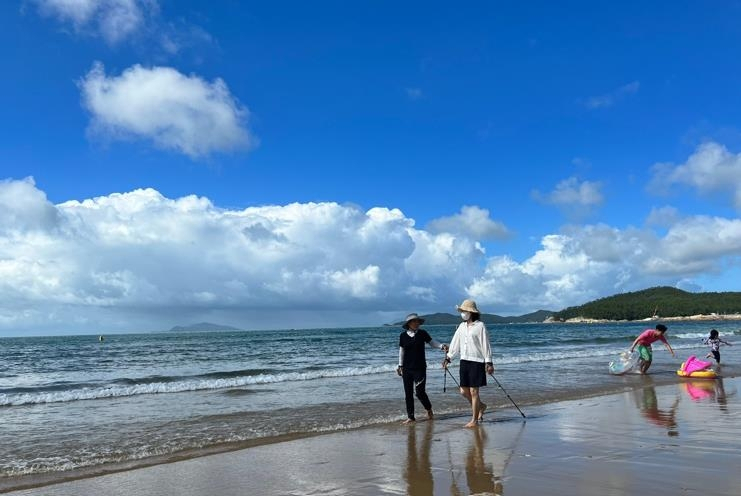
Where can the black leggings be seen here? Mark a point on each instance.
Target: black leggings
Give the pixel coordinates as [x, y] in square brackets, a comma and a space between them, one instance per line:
[414, 382]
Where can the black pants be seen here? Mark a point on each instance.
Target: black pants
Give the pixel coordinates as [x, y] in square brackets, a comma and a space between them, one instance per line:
[414, 382]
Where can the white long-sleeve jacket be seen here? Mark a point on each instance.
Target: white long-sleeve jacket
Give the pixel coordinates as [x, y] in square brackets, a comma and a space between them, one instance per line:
[472, 342]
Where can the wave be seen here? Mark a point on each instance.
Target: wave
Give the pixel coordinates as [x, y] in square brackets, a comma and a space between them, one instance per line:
[240, 392]
[557, 355]
[209, 437]
[167, 385]
[625, 338]
[153, 379]
[572, 353]
[162, 384]
[601, 340]
[703, 335]
[129, 382]
[564, 341]
[628, 338]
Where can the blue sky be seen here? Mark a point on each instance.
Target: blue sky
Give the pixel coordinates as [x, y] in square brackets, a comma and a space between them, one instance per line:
[343, 163]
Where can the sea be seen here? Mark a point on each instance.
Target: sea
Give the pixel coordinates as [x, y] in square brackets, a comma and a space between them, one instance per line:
[76, 403]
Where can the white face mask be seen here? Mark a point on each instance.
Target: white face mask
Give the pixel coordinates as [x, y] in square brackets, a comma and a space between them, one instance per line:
[465, 315]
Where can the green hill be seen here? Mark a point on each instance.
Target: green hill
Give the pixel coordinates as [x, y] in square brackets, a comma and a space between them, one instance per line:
[663, 301]
[660, 301]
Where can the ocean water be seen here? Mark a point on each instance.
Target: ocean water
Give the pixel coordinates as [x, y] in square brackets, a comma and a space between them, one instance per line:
[71, 402]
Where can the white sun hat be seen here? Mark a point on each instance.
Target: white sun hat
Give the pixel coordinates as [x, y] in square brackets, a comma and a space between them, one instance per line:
[411, 317]
[468, 306]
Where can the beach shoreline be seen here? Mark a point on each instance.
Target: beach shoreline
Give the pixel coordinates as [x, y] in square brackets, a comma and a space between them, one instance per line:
[685, 318]
[30, 481]
[618, 428]
[164, 411]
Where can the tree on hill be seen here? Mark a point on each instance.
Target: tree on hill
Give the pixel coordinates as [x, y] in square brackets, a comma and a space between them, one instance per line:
[664, 301]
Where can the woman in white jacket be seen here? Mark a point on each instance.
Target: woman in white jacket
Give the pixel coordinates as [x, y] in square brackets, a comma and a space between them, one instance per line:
[471, 341]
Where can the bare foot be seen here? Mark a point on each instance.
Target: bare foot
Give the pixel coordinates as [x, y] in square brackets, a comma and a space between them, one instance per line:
[409, 421]
[481, 411]
[430, 414]
[471, 424]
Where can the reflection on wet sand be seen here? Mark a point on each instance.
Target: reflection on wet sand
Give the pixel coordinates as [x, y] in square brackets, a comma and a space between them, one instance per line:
[649, 408]
[418, 473]
[480, 477]
[720, 395]
[711, 390]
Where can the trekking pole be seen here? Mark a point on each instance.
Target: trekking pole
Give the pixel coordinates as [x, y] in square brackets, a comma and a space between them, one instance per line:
[452, 377]
[508, 396]
[445, 379]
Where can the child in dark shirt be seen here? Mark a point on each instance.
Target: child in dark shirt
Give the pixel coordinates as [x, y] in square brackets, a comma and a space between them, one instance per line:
[714, 342]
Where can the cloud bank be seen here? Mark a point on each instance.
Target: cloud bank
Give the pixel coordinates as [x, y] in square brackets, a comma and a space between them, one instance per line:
[140, 261]
[176, 112]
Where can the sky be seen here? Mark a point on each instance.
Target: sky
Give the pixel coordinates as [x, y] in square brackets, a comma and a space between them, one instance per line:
[307, 164]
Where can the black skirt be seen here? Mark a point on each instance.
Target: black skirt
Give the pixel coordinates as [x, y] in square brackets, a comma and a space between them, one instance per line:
[473, 374]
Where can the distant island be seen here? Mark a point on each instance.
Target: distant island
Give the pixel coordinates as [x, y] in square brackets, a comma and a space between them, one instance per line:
[203, 327]
[486, 318]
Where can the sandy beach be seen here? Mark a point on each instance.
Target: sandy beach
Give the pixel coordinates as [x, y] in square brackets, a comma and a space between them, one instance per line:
[661, 440]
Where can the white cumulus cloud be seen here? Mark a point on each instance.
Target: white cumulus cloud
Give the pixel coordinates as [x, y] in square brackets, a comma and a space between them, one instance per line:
[663, 216]
[710, 169]
[572, 192]
[115, 257]
[573, 197]
[176, 112]
[23, 207]
[472, 221]
[114, 20]
[141, 261]
[592, 261]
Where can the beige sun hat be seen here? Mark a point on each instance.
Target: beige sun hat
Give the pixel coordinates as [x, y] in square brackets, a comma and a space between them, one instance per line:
[468, 306]
[411, 317]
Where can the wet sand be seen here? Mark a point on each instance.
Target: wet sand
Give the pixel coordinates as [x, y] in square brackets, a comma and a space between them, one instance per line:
[659, 440]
